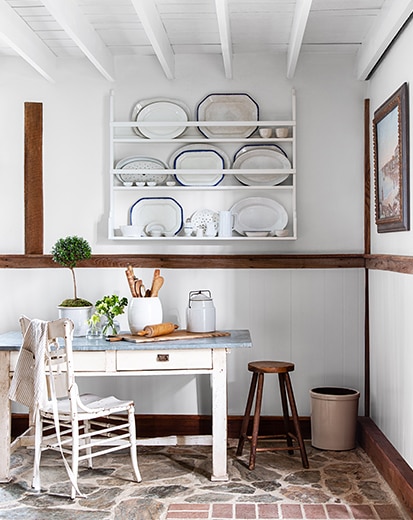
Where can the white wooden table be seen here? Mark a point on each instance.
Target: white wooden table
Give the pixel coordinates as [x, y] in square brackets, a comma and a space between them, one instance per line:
[103, 358]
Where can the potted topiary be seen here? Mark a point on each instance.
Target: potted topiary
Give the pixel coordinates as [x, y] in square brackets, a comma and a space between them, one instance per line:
[68, 252]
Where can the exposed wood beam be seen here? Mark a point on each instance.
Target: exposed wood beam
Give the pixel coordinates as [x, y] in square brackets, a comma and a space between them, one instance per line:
[17, 35]
[225, 35]
[71, 19]
[391, 19]
[302, 10]
[33, 178]
[155, 31]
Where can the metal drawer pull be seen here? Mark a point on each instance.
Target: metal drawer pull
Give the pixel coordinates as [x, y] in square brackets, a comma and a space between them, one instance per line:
[162, 357]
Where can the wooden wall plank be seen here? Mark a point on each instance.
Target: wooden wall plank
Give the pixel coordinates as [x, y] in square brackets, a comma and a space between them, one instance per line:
[194, 261]
[33, 178]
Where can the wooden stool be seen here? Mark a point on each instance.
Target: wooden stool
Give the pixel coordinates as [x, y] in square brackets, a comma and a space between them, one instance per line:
[258, 369]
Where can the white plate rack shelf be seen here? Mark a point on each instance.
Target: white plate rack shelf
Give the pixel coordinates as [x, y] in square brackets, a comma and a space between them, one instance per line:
[125, 141]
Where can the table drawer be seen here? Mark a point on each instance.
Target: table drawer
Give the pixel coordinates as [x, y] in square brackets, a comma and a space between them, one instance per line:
[164, 359]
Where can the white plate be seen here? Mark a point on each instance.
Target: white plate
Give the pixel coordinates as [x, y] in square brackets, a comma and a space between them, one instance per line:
[199, 157]
[247, 147]
[201, 218]
[160, 109]
[258, 214]
[141, 163]
[165, 211]
[227, 107]
[261, 158]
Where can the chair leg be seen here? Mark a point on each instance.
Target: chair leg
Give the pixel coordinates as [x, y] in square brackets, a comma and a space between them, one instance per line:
[86, 426]
[38, 436]
[132, 438]
[246, 419]
[256, 423]
[296, 422]
[75, 456]
[286, 415]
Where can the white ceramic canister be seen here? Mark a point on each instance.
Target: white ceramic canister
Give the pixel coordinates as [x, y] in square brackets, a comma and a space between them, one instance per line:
[144, 311]
[200, 315]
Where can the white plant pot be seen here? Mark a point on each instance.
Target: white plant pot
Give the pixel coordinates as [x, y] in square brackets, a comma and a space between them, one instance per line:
[142, 312]
[79, 316]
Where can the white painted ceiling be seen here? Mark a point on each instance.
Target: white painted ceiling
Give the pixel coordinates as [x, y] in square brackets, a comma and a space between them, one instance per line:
[42, 32]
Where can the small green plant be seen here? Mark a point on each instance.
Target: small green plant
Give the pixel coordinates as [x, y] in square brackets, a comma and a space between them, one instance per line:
[68, 252]
[108, 307]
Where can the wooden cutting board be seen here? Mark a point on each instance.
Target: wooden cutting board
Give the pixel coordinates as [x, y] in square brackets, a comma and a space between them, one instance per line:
[177, 334]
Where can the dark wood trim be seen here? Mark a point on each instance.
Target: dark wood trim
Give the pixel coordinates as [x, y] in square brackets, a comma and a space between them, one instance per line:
[367, 247]
[33, 178]
[367, 182]
[393, 468]
[334, 261]
[394, 263]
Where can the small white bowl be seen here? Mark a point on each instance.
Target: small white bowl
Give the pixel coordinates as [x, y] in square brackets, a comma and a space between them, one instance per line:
[264, 132]
[151, 183]
[131, 231]
[281, 132]
[282, 233]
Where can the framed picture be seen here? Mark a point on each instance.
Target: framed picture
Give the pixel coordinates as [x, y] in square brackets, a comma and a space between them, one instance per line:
[391, 162]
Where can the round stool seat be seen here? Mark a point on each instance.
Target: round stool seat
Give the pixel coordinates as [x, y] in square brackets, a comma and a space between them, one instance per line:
[271, 367]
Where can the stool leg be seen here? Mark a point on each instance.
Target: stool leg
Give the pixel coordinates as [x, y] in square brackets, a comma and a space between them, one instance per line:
[296, 421]
[256, 423]
[286, 415]
[246, 419]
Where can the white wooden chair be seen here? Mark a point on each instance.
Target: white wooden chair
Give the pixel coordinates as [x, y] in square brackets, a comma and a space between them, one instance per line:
[84, 426]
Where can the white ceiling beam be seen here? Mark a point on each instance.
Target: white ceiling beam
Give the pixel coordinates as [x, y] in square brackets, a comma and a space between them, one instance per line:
[301, 12]
[221, 7]
[391, 19]
[77, 27]
[155, 31]
[18, 35]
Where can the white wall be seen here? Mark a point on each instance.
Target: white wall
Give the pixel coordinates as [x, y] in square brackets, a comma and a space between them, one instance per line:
[391, 294]
[312, 317]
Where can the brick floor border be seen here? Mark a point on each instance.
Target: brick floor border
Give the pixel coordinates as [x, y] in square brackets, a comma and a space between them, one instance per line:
[274, 511]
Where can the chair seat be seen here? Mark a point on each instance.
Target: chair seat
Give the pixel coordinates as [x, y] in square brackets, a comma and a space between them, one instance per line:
[102, 405]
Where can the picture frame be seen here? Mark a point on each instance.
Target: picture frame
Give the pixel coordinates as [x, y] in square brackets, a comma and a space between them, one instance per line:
[391, 162]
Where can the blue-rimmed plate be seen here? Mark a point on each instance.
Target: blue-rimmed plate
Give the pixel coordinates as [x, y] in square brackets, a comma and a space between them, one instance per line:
[227, 107]
[199, 157]
[165, 211]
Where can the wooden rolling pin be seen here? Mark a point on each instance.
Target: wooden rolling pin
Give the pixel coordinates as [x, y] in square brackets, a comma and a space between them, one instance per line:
[160, 329]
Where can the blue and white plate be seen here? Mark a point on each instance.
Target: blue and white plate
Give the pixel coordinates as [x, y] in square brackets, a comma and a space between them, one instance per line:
[199, 157]
[163, 211]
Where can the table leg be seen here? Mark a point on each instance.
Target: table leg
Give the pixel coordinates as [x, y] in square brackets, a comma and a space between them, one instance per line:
[5, 416]
[219, 415]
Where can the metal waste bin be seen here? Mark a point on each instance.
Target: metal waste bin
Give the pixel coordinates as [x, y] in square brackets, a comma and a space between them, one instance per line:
[334, 418]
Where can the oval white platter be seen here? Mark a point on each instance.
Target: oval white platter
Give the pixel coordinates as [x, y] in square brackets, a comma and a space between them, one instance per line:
[258, 214]
[261, 158]
[138, 162]
[160, 110]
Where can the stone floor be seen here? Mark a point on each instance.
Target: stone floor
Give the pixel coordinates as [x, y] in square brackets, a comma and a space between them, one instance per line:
[176, 486]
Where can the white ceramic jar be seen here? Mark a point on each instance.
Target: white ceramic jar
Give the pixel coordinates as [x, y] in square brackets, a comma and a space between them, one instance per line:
[144, 311]
[200, 316]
